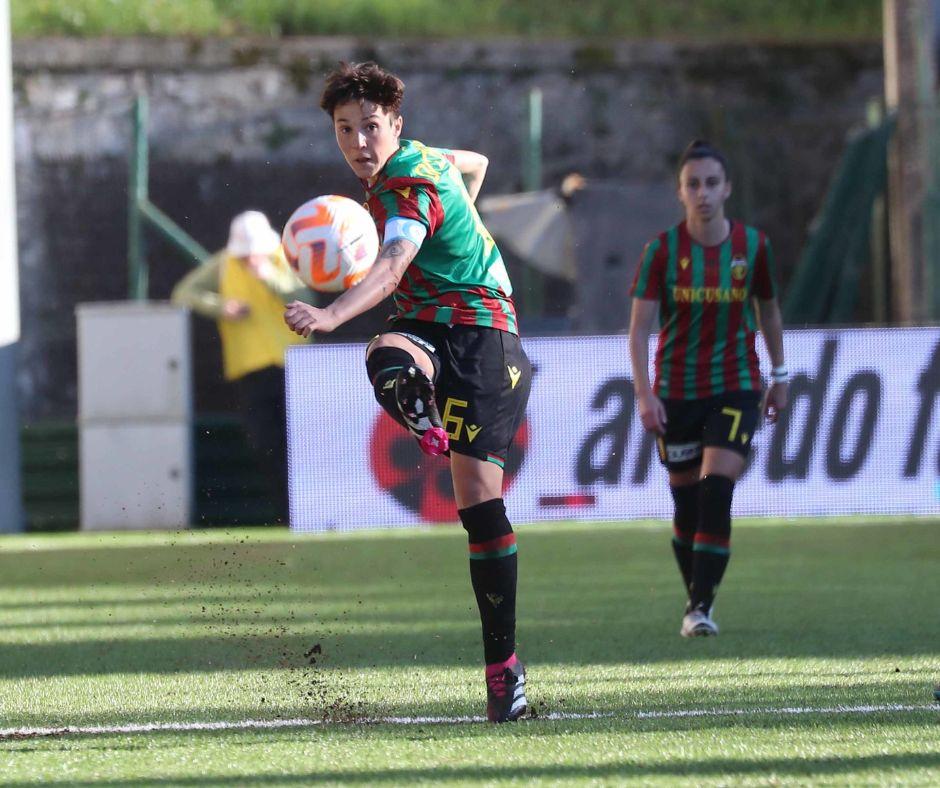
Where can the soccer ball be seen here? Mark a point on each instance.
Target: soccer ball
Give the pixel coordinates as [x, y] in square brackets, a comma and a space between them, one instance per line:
[331, 243]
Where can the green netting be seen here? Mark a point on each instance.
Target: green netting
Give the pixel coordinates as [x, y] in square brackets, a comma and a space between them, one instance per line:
[825, 286]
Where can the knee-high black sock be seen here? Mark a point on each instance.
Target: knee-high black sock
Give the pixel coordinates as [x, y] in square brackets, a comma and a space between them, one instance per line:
[383, 365]
[712, 540]
[493, 572]
[684, 525]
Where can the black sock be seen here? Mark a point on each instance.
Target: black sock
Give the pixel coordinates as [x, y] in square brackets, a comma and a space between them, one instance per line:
[493, 571]
[383, 365]
[712, 540]
[684, 524]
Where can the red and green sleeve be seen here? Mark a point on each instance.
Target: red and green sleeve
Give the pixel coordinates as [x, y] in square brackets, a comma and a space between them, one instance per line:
[764, 283]
[648, 280]
[412, 198]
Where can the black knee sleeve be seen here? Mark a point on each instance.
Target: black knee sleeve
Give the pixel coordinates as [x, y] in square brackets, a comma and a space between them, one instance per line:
[686, 518]
[385, 362]
[485, 521]
[383, 365]
[717, 492]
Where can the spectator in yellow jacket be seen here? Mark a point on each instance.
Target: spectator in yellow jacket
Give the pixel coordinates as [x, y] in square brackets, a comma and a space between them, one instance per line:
[244, 288]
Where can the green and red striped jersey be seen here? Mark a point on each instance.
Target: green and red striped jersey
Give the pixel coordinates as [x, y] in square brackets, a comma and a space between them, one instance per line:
[706, 312]
[458, 275]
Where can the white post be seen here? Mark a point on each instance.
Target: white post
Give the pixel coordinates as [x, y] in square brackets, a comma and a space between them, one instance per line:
[11, 508]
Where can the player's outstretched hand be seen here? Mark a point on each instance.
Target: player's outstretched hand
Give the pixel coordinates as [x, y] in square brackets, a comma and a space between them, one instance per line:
[304, 319]
[652, 414]
[775, 400]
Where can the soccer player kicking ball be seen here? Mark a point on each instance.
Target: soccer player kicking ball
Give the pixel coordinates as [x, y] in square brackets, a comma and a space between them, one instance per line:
[452, 348]
[712, 280]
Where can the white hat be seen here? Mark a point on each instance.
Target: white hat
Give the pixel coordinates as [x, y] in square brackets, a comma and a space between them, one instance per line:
[251, 233]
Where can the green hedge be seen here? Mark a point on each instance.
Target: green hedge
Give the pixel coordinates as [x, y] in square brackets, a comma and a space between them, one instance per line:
[773, 19]
[229, 488]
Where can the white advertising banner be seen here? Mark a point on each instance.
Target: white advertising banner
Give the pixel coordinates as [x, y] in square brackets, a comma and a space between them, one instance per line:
[861, 436]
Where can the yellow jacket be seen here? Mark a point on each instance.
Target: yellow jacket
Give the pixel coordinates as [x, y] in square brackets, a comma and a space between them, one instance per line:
[260, 339]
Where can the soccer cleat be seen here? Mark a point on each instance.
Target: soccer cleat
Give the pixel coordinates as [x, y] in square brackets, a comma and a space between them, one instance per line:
[698, 623]
[505, 694]
[936, 693]
[414, 393]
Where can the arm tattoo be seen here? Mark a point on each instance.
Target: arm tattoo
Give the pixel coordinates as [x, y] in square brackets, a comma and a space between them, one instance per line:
[393, 250]
[399, 256]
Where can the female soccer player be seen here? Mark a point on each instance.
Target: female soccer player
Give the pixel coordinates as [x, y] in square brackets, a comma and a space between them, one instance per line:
[451, 357]
[712, 279]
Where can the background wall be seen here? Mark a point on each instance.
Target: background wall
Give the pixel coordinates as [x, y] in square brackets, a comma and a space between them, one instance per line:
[235, 125]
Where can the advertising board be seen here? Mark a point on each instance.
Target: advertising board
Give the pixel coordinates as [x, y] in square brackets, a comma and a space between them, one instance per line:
[860, 437]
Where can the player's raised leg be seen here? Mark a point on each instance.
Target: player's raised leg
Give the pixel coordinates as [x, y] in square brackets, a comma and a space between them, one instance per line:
[414, 392]
[493, 572]
[401, 373]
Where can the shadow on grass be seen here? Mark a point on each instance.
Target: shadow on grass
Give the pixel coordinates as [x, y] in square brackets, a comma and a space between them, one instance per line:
[591, 597]
[842, 766]
[454, 643]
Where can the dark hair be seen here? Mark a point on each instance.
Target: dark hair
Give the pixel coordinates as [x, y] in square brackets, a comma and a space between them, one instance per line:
[362, 82]
[703, 149]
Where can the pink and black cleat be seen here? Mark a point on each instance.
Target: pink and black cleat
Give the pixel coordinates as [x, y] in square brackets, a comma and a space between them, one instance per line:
[414, 392]
[505, 691]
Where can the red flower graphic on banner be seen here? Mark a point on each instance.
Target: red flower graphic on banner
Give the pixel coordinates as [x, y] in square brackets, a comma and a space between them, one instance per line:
[420, 483]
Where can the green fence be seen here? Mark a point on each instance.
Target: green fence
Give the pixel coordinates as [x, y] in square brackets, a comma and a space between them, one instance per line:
[141, 213]
[229, 486]
[826, 285]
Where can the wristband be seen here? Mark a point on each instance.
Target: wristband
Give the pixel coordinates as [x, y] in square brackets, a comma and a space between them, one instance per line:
[780, 374]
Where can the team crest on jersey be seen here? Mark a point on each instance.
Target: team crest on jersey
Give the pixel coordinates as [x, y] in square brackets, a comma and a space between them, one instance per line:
[684, 263]
[738, 267]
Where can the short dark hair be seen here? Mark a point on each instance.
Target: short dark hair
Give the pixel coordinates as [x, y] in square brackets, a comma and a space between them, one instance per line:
[703, 149]
[362, 82]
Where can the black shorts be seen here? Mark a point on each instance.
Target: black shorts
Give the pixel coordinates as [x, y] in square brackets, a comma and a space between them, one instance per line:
[726, 421]
[482, 379]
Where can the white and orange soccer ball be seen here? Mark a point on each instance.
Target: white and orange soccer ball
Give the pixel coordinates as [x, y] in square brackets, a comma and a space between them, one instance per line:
[330, 242]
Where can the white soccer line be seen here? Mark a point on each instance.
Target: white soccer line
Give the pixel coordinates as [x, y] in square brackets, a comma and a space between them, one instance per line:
[301, 722]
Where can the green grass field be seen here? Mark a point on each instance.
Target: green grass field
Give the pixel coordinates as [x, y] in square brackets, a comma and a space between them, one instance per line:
[823, 673]
[794, 20]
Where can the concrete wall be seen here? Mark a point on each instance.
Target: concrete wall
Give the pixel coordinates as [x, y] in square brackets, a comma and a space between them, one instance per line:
[234, 124]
